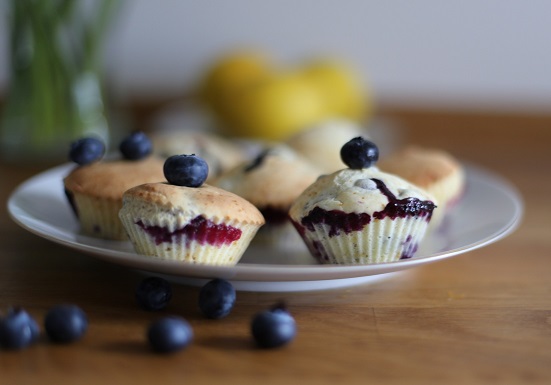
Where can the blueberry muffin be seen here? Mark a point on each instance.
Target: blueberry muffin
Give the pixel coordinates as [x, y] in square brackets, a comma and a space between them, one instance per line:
[221, 154]
[435, 171]
[186, 220]
[94, 188]
[360, 215]
[321, 144]
[272, 181]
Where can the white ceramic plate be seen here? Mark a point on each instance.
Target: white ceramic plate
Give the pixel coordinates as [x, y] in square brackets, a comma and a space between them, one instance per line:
[490, 209]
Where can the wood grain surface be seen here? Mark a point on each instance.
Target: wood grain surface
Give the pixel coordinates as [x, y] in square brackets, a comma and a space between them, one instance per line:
[480, 318]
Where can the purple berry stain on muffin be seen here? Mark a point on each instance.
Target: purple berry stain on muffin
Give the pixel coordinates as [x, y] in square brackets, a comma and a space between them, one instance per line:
[199, 229]
[402, 208]
[257, 162]
[191, 171]
[410, 248]
[338, 221]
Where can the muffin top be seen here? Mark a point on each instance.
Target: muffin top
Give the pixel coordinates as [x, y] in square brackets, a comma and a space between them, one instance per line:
[321, 143]
[220, 153]
[365, 190]
[420, 166]
[274, 178]
[109, 179]
[209, 201]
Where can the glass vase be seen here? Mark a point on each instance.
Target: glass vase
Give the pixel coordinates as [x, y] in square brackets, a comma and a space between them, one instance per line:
[55, 94]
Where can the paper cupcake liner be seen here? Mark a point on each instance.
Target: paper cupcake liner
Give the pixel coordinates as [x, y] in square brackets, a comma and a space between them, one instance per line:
[99, 217]
[180, 248]
[380, 241]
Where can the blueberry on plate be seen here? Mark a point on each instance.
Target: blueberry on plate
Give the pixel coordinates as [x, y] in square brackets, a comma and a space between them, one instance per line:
[273, 328]
[186, 170]
[359, 153]
[65, 323]
[216, 298]
[17, 329]
[153, 293]
[169, 334]
[86, 150]
[136, 146]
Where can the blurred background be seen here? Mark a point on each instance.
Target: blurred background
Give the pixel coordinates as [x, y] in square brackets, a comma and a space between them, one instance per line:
[428, 55]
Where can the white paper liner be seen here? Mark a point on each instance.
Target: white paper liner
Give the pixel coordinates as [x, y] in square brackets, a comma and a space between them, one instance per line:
[99, 217]
[380, 241]
[181, 249]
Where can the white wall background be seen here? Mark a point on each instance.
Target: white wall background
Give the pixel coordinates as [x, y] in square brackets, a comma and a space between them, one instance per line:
[465, 54]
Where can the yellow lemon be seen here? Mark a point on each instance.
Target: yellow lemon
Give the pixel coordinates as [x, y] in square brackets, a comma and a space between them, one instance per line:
[278, 107]
[228, 75]
[345, 95]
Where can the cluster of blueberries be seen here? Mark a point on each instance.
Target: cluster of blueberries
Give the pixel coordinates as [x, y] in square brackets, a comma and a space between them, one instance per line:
[88, 150]
[180, 170]
[68, 323]
[62, 324]
[270, 328]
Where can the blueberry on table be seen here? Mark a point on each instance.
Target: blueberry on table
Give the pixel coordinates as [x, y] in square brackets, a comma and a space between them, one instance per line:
[153, 293]
[169, 334]
[186, 170]
[216, 298]
[136, 146]
[17, 329]
[65, 323]
[273, 328]
[86, 150]
[359, 153]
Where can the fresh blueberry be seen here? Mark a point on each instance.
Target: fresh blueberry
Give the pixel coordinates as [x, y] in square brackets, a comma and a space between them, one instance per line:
[216, 298]
[186, 170]
[359, 153]
[273, 328]
[169, 334]
[86, 150]
[153, 293]
[17, 329]
[65, 323]
[136, 146]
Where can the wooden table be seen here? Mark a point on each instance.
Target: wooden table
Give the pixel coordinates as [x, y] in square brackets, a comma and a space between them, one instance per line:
[480, 318]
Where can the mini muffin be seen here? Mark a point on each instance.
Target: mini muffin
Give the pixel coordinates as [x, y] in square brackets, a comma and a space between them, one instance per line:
[186, 220]
[321, 144]
[221, 154]
[95, 187]
[436, 171]
[360, 215]
[272, 181]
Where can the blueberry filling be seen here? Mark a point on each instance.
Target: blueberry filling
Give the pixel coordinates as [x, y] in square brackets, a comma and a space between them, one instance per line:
[402, 208]
[199, 229]
[339, 221]
[274, 216]
[410, 248]
[257, 161]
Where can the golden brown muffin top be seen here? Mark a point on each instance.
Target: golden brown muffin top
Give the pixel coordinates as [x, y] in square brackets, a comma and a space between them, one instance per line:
[420, 166]
[274, 179]
[111, 178]
[210, 201]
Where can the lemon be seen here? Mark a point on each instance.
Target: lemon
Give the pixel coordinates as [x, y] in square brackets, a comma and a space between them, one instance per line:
[345, 95]
[278, 107]
[228, 75]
